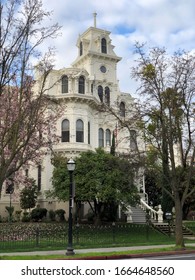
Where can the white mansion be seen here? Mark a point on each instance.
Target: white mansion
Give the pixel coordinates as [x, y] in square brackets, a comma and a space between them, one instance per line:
[90, 81]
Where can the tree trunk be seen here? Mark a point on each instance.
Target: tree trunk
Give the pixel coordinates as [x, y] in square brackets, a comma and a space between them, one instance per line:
[179, 240]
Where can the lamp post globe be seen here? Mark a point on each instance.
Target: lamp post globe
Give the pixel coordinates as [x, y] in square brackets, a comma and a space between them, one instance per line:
[71, 165]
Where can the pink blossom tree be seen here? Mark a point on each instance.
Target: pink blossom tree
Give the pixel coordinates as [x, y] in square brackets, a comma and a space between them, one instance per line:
[27, 118]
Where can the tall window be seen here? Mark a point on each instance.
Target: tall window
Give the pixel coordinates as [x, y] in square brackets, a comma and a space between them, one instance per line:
[81, 48]
[82, 84]
[39, 177]
[79, 131]
[122, 109]
[103, 45]
[64, 84]
[101, 137]
[133, 140]
[65, 136]
[89, 132]
[100, 93]
[107, 96]
[108, 137]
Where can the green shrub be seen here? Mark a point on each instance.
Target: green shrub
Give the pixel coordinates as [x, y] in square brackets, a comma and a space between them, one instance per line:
[26, 217]
[38, 214]
[60, 213]
[17, 215]
[52, 215]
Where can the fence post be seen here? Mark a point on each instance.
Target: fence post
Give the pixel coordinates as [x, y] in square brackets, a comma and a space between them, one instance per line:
[77, 233]
[147, 224]
[37, 236]
[113, 231]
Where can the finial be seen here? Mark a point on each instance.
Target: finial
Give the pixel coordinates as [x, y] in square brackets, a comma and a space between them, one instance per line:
[94, 15]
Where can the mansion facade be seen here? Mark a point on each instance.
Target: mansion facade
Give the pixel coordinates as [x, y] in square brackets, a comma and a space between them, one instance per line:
[85, 87]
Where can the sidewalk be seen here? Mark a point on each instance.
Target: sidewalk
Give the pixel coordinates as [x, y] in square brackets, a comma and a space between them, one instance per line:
[99, 250]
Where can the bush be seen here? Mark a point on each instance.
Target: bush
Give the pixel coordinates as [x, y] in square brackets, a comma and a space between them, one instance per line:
[38, 214]
[17, 215]
[26, 217]
[52, 215]
[191, 215]
[60, 213]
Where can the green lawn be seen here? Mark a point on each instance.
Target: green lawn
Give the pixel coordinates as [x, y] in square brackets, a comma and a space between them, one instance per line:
[92, 255]
[43, 236]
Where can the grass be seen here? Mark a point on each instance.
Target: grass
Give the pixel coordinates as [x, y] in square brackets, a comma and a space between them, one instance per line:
[91, 255]
[16, 237]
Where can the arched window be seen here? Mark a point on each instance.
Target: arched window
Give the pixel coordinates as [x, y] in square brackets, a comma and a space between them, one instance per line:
[64, 84]
[89, 132]
[82, 84]
[107, 96]
[103, 45]
[79, 131]
[65, 136]
[108, 137]
[81, 48]
[100, 93]
[101, 137]
[122, 109]
[133, 140]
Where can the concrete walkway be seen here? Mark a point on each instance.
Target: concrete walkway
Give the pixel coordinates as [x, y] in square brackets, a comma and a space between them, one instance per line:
[94, 250]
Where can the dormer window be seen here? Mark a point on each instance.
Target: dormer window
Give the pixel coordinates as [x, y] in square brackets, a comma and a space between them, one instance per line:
[122, 109]
[81, 48]
[107, 96]
[103, 45]
[100, 93]
[64, 84]
[81, 84]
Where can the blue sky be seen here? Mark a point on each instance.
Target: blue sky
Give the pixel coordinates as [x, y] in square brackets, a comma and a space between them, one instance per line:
[164, 23]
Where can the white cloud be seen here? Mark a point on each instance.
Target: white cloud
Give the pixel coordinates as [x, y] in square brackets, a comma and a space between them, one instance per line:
[166, 23]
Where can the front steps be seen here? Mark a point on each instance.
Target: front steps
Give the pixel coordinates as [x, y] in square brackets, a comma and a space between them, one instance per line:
[138, 215]
[165, 229]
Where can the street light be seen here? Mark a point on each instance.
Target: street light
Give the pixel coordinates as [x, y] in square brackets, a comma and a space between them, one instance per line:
[71, 168]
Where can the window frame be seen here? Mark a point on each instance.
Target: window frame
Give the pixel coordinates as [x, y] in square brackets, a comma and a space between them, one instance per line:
[101, 137]
[108, 137]
[107, 96]
[122, 109]
[81, 48]
[101, 93]
[104, 45]
[81, 85]
[65, 133]
[79, 131]
[64, 84]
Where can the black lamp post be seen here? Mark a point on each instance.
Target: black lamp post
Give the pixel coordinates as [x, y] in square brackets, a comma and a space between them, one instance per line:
[71, 168]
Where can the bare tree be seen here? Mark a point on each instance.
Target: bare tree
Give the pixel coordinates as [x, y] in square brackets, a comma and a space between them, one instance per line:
[27, 119]
[167, 86]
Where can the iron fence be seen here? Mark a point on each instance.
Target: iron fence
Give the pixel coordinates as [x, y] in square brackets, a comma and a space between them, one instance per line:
[31, 236]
